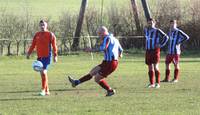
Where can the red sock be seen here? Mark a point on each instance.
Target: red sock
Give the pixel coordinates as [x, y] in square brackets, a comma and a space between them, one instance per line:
[157, 74]
[167, 73]
[176, 74]
[151, 77]
[85, 78]
[104, 85]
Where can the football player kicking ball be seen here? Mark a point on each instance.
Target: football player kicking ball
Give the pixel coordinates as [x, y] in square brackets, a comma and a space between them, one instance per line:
[176, 38]
[112, 50]
[155, 39]
[44, 40]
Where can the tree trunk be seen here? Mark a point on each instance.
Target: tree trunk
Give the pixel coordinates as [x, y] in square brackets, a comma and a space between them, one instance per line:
[1, 53]
[25, 43]
[76, 39]
[146, 9]
[18, 44]
[136, 17]
[9, 48]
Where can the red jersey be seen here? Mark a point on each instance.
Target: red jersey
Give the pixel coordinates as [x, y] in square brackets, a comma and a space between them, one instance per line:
[44, 41]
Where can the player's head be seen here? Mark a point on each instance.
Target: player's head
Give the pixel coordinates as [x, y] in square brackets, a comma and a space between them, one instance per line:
[102, 31]
[43, 25]
[173, 23]
[151, 22]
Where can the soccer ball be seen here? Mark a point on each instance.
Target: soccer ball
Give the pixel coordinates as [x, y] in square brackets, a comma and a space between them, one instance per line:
[37, 66]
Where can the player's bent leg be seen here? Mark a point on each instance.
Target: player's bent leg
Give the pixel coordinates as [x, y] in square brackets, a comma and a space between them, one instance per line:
[102, 82]
[95, 70]
[85, 77]
[73, 82]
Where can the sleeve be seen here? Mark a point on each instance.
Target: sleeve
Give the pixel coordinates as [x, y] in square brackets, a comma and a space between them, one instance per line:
[33, 44]
[104, 44]
[163, 38]
[145, 32]
[54, 45]
[183, 37]
[120, 47]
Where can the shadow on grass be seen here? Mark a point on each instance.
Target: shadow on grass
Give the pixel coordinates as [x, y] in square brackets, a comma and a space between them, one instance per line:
[53, 90]
[37, 97]
[18, 99]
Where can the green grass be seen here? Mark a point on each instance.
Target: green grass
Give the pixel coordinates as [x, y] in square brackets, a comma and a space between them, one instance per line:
[19, 86]
[51, 8]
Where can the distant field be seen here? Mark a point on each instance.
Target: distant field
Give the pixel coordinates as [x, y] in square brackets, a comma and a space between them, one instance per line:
[52, 8]
[19, 86]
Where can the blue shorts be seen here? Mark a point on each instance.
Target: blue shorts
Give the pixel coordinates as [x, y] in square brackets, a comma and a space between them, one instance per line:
[45, 61]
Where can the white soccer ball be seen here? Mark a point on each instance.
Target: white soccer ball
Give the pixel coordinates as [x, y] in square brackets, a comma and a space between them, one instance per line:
[37, 66]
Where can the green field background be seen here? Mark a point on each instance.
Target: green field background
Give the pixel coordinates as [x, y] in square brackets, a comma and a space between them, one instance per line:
[20, 85]
[54, 8]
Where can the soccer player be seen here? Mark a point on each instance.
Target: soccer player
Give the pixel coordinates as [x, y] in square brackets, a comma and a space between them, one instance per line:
[155, 39]
[112, 50]
[176, 38]
[44, 40]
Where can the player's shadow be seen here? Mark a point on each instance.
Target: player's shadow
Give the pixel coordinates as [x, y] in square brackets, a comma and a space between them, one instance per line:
[34, 96]
[29, 91]
[53, 90]
[16, 99]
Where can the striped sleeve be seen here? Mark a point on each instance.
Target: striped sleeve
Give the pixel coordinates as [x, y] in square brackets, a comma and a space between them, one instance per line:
[120, 49]
[182, 37]
[163, 38]
[105, 44]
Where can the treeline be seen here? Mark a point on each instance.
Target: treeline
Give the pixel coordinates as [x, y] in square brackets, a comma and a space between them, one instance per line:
[17, 30]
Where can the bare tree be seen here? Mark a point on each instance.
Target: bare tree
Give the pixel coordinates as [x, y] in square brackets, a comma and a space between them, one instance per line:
[76, 40]
[146, 9]
[136, 17]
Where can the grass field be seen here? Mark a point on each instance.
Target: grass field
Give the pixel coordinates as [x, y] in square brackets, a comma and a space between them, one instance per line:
[19, 86]
[52, 8]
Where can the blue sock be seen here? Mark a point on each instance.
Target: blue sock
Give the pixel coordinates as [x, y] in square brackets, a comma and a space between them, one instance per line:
[77, 82]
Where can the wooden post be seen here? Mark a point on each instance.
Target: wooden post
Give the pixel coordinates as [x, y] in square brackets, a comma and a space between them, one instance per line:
[136, 17]
[76, 38]
[146, 9]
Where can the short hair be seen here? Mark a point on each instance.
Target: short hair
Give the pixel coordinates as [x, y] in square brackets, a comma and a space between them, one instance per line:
[151, 19]
[102, 29]
[173, 21]
[43, 21]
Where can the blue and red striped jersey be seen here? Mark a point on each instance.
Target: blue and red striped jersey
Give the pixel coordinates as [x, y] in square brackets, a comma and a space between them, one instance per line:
[111, 47]
[176, 37]
[155, 38]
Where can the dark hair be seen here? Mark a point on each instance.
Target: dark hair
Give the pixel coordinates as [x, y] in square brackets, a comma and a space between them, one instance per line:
[42, 21]
[173, 20]
[151, 19]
